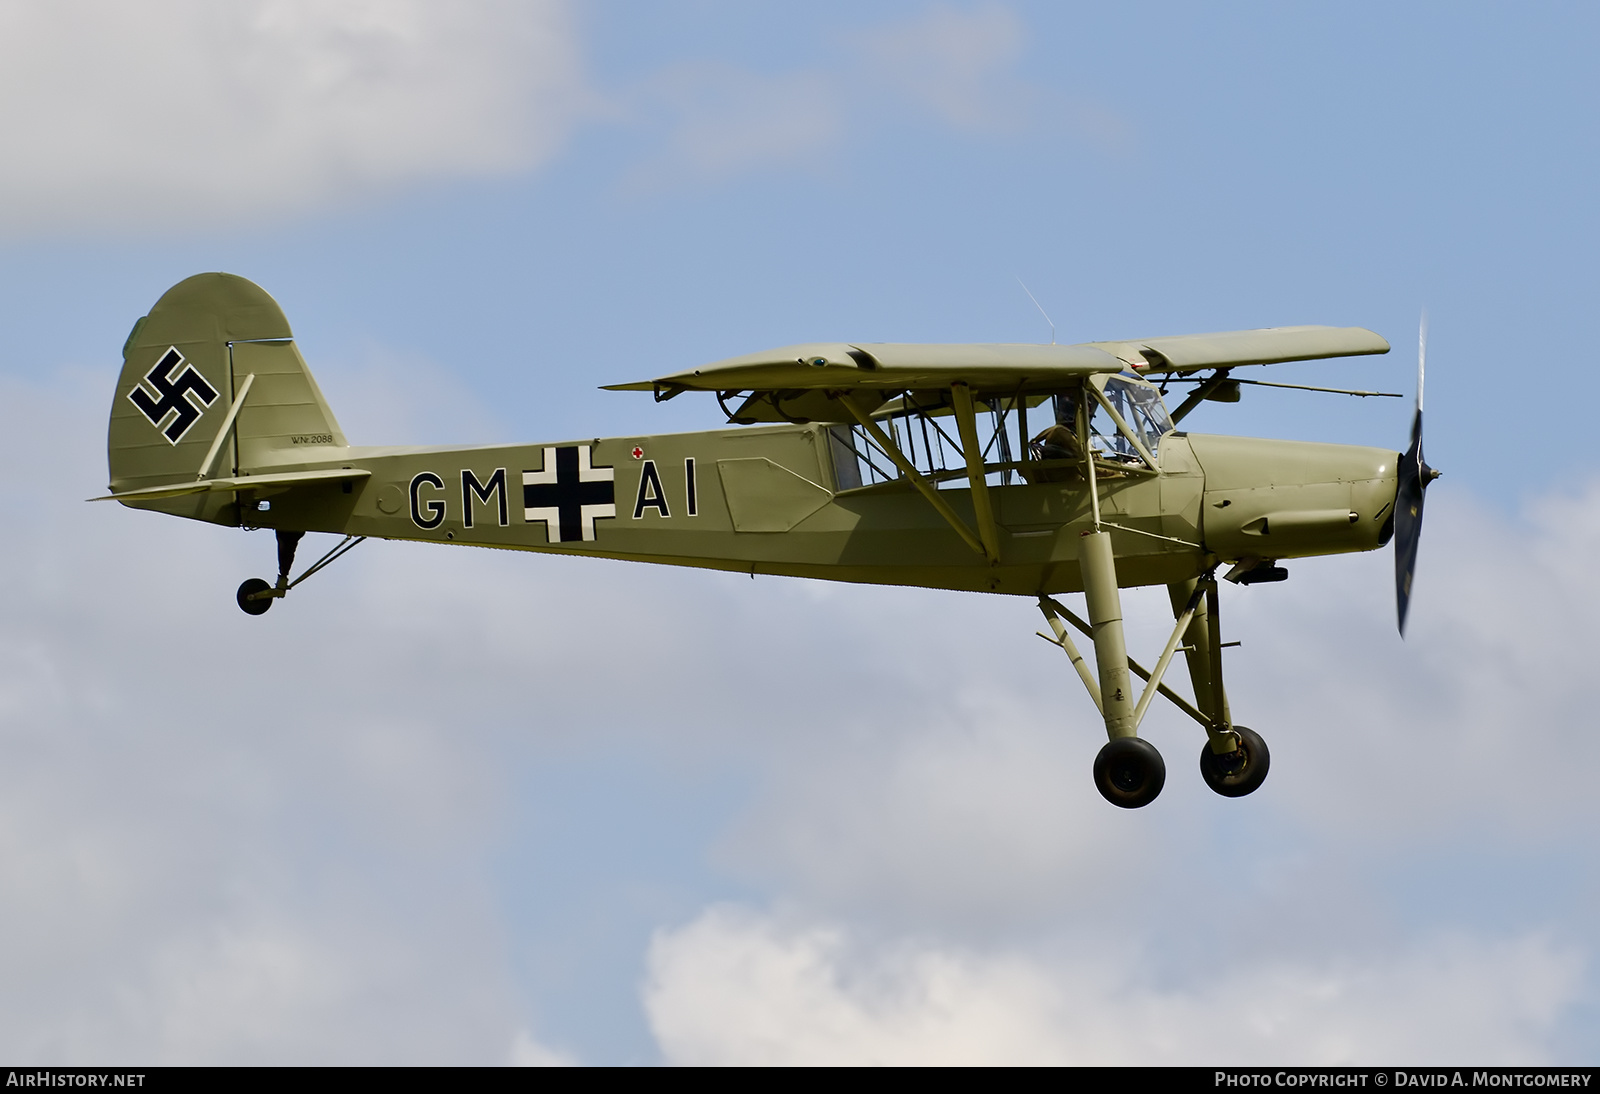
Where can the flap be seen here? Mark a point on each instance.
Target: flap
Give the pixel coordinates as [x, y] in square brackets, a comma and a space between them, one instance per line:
[802, 406]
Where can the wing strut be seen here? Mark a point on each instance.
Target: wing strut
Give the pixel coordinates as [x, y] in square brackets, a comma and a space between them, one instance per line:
[1200, 394]
[1127, 430]
[920, 481]
[1055, 611]
[982, 506]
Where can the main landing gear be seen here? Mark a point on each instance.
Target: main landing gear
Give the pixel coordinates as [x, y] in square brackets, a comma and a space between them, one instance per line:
[1237, 773]
[1129, 772]
[256, 596]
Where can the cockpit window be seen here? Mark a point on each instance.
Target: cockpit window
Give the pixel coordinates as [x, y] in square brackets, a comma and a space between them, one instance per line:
[1140, 406]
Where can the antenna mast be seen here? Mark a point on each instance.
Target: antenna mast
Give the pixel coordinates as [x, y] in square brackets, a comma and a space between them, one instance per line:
[1040, 306]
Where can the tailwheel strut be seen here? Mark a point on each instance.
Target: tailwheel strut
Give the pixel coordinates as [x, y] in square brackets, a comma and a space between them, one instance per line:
[255, 596]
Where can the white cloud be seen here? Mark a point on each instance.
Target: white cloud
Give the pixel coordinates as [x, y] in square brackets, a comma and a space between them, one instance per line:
[183, 112]
[527, 1052]
[231, 839]
[241, 990]
[953, 890]
[953, 66]
[737, 987]
[979, 813]
[956, 63]
[949, 787]
[1481, 716]
[721, 121]
[214, 849]
[375, 397]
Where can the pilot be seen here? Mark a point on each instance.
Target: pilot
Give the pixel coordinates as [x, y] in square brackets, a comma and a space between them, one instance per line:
[1059, 442]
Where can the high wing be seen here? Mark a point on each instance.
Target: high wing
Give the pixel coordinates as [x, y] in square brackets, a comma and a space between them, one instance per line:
[1187, 353]
[884, 367]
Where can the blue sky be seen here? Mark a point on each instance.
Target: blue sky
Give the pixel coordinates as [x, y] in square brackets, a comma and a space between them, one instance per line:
[449, 806]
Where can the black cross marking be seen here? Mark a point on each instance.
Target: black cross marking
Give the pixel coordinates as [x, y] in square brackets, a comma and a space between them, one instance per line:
[568, 494]
[176, 397]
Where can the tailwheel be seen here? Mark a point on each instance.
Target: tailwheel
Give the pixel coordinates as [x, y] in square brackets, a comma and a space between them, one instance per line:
[256, 596]
[250, 598]
[1237, 773]
[1129, 772]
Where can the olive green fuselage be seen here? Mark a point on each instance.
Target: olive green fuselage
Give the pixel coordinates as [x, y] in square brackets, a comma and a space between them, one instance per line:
[769, 500]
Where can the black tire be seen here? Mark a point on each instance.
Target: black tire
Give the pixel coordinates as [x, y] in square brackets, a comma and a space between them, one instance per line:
[1129, 772]
[254, 607]
[1235, 774]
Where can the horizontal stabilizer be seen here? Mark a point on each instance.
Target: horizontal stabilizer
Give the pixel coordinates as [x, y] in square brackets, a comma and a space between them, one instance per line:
[242, 482]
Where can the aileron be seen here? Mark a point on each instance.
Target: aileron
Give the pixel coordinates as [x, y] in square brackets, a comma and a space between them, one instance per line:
[1226, 349]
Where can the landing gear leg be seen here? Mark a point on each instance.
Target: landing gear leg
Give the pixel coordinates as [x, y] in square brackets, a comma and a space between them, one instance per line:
[256, 596]
[1128, 772]
[1235, 759]
[288, 542]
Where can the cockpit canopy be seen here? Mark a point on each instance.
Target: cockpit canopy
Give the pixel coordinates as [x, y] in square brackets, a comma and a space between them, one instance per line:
[1031, 436]
[1139, 405]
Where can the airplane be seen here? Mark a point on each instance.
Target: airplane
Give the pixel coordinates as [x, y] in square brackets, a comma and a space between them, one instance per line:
[1020, 469]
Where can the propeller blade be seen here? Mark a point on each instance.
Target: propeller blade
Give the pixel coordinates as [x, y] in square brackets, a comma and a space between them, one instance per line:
[1408, 499]
[1413, 479]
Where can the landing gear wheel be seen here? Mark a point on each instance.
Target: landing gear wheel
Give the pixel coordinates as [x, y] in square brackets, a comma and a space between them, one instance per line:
[247, 590]
[1235, 774]
[1129, 772]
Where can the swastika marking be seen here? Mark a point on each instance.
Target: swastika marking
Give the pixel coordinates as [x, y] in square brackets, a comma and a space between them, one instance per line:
[185, 398]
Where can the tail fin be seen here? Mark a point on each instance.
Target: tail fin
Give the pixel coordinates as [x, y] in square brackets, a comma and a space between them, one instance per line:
[208, 341]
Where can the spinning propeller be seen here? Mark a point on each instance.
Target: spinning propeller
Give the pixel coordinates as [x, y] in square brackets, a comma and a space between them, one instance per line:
[1415, 475]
